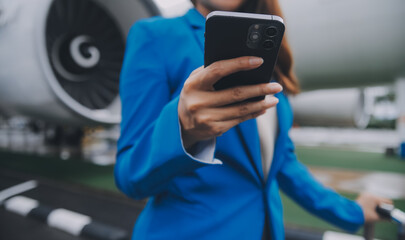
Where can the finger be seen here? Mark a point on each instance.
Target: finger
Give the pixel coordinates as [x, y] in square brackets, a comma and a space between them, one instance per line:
[247, 117]
[220, 69]
[385, 200]
[241, 93]
[241, 110]
[226, 125]
[196, 71]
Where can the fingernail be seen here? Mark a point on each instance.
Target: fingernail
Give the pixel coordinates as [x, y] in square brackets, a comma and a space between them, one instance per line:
[275, 87]
[271, 101]
[255, 61]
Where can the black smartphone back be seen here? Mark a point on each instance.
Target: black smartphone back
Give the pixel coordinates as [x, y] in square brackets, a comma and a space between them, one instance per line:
[230, 35]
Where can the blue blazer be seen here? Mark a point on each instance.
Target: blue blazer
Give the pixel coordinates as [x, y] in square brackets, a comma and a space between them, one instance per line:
[189, 199]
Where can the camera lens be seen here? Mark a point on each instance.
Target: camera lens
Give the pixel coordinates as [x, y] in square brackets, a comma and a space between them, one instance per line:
[271, 31]
[254, 36]
[268, 44]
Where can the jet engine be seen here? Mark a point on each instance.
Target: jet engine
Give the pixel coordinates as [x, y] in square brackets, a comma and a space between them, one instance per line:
[60, 59]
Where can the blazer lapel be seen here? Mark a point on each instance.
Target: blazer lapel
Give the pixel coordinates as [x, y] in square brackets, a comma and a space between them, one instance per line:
[197, 23]
[250, 139]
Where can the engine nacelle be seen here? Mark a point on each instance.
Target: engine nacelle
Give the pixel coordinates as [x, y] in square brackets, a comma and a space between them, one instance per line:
[61, 59]
[346, 43]
[333, 107]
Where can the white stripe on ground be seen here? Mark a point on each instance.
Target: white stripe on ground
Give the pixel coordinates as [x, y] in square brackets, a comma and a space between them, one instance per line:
[68, 221]
[329, 235]
[20, 205]
[17, 189]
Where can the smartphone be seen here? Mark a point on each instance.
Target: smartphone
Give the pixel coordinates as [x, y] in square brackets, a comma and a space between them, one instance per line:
[233, 34]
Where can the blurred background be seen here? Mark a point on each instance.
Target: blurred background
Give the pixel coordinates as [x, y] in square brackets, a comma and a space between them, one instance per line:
[60, 62]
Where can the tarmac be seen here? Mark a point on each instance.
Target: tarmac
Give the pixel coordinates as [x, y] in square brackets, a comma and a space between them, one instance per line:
[107, 208]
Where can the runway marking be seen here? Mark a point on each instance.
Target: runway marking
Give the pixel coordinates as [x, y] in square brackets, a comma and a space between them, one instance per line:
[68, 221]
[21, 205]
[17, 189]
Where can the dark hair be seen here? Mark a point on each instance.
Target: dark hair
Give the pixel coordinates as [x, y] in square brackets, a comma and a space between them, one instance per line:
[284, 68]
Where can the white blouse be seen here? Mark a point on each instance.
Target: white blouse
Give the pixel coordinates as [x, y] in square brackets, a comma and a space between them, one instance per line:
[267, 127]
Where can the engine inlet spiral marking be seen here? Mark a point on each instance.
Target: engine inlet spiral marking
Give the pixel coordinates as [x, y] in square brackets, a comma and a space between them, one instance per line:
[77, 55]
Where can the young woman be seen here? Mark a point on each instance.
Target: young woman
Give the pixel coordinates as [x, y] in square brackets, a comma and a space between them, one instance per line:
[212, 169]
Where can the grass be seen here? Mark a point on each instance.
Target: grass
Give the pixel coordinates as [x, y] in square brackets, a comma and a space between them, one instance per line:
[353, 160]
[71, 171]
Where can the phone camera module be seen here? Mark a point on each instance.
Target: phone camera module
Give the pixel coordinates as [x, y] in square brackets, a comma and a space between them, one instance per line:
[255, 36]
[271, 31]
[268, 44]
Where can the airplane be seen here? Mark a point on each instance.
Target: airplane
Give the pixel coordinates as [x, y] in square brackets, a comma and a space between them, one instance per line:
[69, 75]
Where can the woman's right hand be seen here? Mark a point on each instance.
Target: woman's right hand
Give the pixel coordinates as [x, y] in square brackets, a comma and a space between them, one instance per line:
[205, 113]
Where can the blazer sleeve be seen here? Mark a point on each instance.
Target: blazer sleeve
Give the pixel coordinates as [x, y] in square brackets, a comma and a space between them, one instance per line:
[150, 150]
[298, 183]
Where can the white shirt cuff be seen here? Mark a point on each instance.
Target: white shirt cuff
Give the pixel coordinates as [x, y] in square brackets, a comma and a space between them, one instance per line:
[202, 151]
